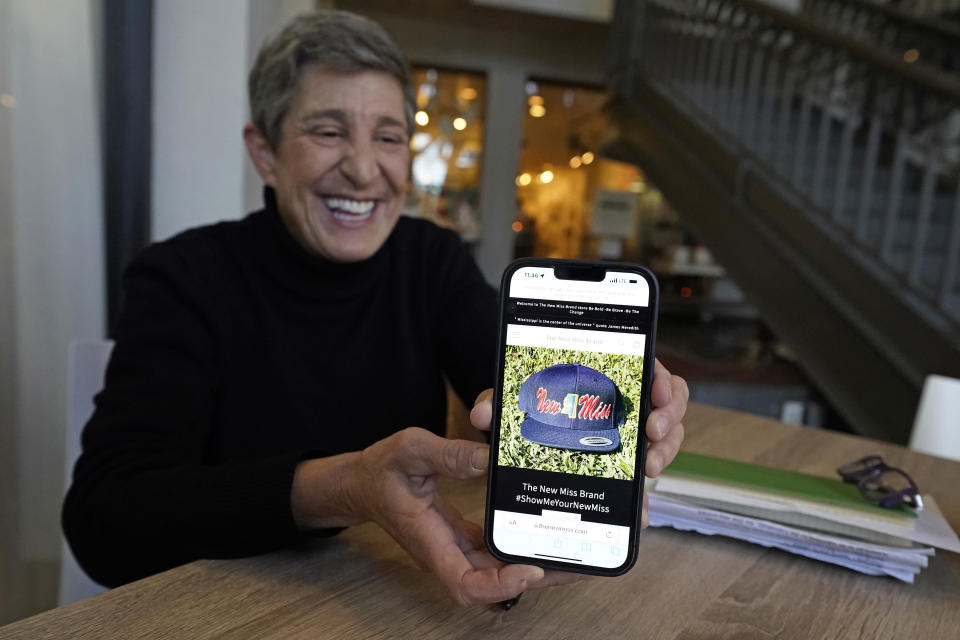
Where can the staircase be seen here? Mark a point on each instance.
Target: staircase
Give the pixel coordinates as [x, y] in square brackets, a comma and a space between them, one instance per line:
[822, 171]
[915, 31]
[931, 8]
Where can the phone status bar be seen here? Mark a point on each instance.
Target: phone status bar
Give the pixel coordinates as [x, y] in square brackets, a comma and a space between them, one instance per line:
[617, 287]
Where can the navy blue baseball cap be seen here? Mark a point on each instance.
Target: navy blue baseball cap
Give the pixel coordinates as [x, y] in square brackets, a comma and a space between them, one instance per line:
[571, 406]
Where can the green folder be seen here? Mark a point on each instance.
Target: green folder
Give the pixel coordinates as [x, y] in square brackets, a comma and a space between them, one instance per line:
[791, 483]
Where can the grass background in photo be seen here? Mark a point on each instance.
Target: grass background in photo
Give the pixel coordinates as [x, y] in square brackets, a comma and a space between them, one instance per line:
[515, 451]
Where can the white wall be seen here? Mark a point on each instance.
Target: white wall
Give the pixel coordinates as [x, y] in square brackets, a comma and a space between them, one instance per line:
[202, 52]
[9, 552]
[199, 66]
[51, 230]
[51, 266]
[264, 19]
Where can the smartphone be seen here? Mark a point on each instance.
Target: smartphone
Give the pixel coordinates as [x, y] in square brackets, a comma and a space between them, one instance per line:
[572, 396]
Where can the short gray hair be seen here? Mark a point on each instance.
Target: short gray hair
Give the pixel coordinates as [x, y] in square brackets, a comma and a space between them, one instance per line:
[340, 40]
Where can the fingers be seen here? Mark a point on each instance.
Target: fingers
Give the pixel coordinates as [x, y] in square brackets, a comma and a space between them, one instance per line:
[486, 586]
[669, 396]
[557, 578]
[664, 424]
[480, 558]
[432, 543]
[662, 453]
[645, 511]
[482, 413]
[661, 392]
[469, 535]
[420, 452]
[441, 542]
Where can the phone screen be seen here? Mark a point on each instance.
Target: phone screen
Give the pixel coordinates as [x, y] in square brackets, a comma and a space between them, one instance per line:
[568, 445]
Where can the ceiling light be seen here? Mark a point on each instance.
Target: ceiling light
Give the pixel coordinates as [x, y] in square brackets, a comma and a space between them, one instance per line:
[546, 177]
[459, 124]
[422, 118]
[419, 141]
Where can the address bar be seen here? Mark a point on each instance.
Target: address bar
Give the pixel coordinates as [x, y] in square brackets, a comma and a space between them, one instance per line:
[636, 294]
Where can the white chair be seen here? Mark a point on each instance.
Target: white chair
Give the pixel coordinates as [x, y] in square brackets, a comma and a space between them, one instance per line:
[86, 364]
[936, 427]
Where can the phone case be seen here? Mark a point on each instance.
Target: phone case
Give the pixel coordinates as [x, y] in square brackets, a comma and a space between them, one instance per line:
[547, 431]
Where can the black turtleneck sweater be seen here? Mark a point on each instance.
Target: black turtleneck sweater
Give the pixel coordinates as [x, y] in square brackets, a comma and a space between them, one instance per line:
[238, 355]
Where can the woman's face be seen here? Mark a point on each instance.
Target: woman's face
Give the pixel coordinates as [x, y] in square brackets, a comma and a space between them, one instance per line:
[340, 168]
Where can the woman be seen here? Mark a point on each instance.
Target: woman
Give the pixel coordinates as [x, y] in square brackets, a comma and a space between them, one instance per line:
[283, 375]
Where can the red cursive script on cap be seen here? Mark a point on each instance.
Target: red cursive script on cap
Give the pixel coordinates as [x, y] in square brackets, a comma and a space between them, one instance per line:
[546, 406]
[590, 406]
[592, 409]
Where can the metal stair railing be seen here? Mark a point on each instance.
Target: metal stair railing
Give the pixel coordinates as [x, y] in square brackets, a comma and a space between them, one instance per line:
[872, 140]
[919, 39]
[929, 7]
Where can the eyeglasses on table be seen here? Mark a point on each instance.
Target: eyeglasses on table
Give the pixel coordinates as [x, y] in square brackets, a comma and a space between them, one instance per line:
[880, 483]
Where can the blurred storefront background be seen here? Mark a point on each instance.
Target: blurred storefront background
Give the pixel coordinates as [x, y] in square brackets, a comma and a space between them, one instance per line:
[573, 201]
[788, 170]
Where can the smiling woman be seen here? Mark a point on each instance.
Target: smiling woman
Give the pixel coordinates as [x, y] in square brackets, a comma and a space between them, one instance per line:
[340, 166]
[233, 416]
[285, 373]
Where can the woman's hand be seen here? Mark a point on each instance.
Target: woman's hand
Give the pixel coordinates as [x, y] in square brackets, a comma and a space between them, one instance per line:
[394, 483]
[664, 427]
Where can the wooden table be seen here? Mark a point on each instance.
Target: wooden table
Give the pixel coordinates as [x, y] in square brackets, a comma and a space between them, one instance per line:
[360, 585]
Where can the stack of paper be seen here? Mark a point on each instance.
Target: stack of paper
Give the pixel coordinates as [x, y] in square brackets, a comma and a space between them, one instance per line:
[821, 518]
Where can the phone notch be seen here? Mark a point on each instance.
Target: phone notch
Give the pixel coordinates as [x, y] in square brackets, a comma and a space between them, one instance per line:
[586, 273]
